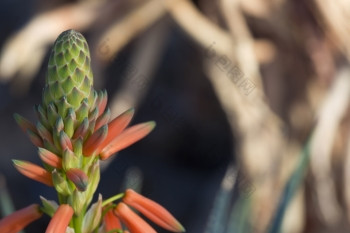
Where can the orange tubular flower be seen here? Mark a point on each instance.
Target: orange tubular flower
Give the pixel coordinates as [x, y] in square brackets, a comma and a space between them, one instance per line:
[60, 219]
[127, 138]
[33, 171]
[111, 221]
[132, 221]
[152, 210]
[20, 219]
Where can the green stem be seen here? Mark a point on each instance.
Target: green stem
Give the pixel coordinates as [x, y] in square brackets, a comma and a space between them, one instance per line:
[78, 222]
[113, 198]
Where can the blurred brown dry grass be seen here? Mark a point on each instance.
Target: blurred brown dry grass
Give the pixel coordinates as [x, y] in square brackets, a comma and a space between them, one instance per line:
[279, 68]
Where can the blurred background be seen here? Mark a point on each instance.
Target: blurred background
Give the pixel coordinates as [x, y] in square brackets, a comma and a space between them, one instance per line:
[251, 100]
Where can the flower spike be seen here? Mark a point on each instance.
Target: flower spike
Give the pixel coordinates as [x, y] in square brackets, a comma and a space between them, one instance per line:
[33, 171]
[60, 219]
[20, 219]
[74, 132]
[132, 221]
[127, 138]
[152, 210]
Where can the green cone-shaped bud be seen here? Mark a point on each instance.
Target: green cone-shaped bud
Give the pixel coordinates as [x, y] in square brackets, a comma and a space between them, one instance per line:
[69, 77]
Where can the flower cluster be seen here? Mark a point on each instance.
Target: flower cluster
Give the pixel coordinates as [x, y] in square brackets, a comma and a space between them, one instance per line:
[73, 133]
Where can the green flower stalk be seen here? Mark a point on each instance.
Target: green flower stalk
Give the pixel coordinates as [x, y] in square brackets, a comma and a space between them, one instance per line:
[73, 133]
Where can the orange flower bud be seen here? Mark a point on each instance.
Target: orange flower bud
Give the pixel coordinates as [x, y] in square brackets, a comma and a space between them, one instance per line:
[34, 138]
[132, 221]
[65, 141]
[111, 221]
[50, 158]
[127, 138]
[101, 102]
[20, 219]
[79, 178]
[91, 145]
[103, 119]
[152, 210]
[116, 126]
[24, 123]
[60, 219]
[33, 171]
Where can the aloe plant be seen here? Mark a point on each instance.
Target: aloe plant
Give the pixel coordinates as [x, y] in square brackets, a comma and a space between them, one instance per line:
[73, 133]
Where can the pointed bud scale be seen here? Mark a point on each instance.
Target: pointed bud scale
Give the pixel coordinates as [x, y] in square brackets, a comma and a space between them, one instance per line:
[127, 138]
[83, 110]
[59, 124]
[69, 123]
[79, 178]
[49, 207]
[93, 216]
[60, 183]
[82, 129]
[65, 141]
[78, 147]
[69, 160]
[133, 222]
[111, 221]
[18, 220]
[69, 70]
[56, 140]
[103, 119]
[43, 132]
[116, 126]
[41, 113]
[34, 138]
[92, 143]
[63, 106]
[60, 219]
[50, 158]
[152, 210]
[75, 97]
[33, 171]
[52, 114]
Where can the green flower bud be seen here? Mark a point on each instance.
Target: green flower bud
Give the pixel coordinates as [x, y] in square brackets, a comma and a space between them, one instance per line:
[60, 183]
[69, 72]
[77, 201]
[69, 160]
[93, 216]
[49, 207]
